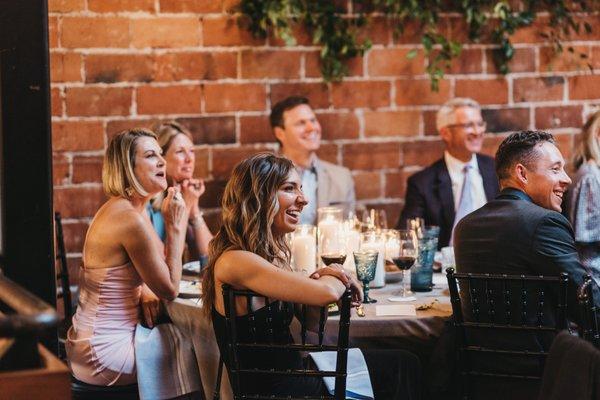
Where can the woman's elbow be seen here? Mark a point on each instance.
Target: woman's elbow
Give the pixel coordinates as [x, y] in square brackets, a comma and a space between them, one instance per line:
[167, 293]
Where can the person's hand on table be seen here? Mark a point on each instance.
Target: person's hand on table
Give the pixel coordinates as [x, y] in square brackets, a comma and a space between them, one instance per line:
[150, 305]
[337, 271]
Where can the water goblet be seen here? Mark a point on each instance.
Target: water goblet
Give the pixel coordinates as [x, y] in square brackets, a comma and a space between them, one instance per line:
[366, 264]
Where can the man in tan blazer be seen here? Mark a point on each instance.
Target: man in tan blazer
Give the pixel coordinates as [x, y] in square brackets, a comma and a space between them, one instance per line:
[299, 134]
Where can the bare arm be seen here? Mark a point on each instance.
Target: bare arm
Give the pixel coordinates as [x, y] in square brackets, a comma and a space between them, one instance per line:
[192, 189]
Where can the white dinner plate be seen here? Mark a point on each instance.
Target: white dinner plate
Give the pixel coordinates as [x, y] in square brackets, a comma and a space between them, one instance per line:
[192, 267]
[190, 289]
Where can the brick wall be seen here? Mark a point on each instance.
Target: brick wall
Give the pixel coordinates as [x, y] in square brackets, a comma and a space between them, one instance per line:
[124, 63]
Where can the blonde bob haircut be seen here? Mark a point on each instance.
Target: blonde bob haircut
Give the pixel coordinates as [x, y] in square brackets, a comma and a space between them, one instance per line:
[167, 131]
[589, 147]
[118, 177]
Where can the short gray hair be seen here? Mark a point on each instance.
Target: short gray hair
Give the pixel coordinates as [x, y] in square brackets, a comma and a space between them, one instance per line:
[445, 115]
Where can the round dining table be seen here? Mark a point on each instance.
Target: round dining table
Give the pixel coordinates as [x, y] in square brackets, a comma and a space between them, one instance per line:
[430, 311]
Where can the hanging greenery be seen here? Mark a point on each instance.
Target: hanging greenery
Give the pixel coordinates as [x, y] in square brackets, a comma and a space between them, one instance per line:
[341, 33]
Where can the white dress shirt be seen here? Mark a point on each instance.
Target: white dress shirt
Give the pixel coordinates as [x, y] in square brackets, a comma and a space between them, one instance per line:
[309, 189]
[457, 176]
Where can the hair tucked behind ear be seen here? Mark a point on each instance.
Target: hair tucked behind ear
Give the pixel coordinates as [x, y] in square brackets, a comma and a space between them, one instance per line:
[249, 206]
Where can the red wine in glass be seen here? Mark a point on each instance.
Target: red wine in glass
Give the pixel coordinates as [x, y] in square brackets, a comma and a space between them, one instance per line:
[333, 258]
[404, 262]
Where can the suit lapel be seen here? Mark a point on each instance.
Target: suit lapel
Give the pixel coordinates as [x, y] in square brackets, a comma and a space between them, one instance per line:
[490, 181]
[444, 192]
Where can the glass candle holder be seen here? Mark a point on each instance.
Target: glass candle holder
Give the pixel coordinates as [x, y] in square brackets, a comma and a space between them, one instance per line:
[304, 249]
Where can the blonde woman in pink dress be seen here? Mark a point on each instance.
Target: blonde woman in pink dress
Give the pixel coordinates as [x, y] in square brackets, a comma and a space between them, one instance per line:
[123, 258]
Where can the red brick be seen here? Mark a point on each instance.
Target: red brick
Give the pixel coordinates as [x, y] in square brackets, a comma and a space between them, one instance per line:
[412, 33]
[491, 144]
[367, 185]
[60, 170]
[225, 31]
[583, 35]
[564, 142]
[506, 120]
[316, 93]
[165, 32]
[392, 123]
[312, 66]
[418, 92]
[201, 167]
[558, 117]
[329, 152]
[77, 136]
[485, 91]
[201, 65]
[565, 61]
[270, 64]
[595, 57]
[52, 32]
[378, 30]
[112, 68]
[74, 235]
[339, 125]
[65, 67]
[213, 194]
[114, 127]
[95, 32]
[523, 61]
[121, 5]
[56, 102]
[210, 130]
[429, 123]
[532, 33]
[78, 202]
[65, 6]
[169, 99]
[87, 169]
[361, 94]
[395, 184]
[538, 89]
[422, 153]
[298, 31]
[194, 6]
[256, 130]
[367, 156]
[584, 87]
[393, 62]
[225, 159]
[92, 101]
[470, 61]
[235, 97]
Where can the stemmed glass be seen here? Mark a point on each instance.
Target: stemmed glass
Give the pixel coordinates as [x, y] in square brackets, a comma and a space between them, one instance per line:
[404, 256]
[366, 264]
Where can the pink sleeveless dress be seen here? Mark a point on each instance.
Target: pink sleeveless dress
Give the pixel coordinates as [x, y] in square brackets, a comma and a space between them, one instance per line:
[100, 344]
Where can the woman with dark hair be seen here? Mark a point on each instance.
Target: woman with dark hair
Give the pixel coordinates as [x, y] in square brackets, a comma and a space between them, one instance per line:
[121, 255]
[583, 202]
[261, 204]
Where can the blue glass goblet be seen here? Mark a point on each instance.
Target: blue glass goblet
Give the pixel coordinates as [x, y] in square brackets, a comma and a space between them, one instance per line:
[366, 264]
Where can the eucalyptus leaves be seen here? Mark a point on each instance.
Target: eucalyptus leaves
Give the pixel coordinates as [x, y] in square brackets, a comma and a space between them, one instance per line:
[341, 33]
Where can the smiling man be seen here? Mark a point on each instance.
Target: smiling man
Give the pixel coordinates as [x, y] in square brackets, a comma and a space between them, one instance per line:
[458, 183]
[298, 131]
[522, 231]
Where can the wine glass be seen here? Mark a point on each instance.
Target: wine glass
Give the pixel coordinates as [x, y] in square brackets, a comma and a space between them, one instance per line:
[404, 256]
[333, 249]
[379, 218]
[366, 264]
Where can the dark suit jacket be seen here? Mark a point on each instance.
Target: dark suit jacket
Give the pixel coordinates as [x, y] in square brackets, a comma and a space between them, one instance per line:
[512, 235]
[429, 195]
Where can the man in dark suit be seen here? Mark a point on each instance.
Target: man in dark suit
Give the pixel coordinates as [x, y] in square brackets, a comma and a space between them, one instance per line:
[436, 193]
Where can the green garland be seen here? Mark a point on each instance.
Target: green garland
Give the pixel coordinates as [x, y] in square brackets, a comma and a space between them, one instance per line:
[337, 32]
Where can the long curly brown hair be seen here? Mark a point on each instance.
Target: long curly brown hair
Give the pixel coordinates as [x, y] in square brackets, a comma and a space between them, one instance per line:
[249, 206]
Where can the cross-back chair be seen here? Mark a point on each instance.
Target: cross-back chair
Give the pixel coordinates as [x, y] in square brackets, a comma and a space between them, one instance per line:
[505, 320]
[588, 322]
[238, 372]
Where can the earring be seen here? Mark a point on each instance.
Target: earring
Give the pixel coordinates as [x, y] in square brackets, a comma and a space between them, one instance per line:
[129, 192]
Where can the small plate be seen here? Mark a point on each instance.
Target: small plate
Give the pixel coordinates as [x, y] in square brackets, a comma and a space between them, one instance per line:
[393, 276]
[192, 267]
[190, 289]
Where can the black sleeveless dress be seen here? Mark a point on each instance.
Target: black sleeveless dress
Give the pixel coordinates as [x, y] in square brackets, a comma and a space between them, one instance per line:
[252, 328]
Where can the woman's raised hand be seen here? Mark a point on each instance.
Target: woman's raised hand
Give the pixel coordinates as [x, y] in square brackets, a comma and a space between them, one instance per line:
[192, 189]
[174, 209]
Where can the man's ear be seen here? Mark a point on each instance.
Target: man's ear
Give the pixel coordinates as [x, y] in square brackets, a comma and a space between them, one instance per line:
[445, 134]
[521, 174]
[279, 134]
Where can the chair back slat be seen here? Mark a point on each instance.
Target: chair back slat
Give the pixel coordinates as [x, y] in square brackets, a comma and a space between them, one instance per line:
[265, 339]
[588, 321]
[63, 270]
[505, 316]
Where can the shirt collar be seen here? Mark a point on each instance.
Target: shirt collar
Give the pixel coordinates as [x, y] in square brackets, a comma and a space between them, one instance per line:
[455, 165]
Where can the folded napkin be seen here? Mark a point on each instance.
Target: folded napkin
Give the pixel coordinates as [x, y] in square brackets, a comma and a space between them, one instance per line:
[358, 382]
[400, 309]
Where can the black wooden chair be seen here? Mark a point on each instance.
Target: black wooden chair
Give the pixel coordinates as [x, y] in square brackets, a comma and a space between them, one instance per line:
[504, 327]
[588, 321]
[238, 372]
[64, 290]
[85, 391]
